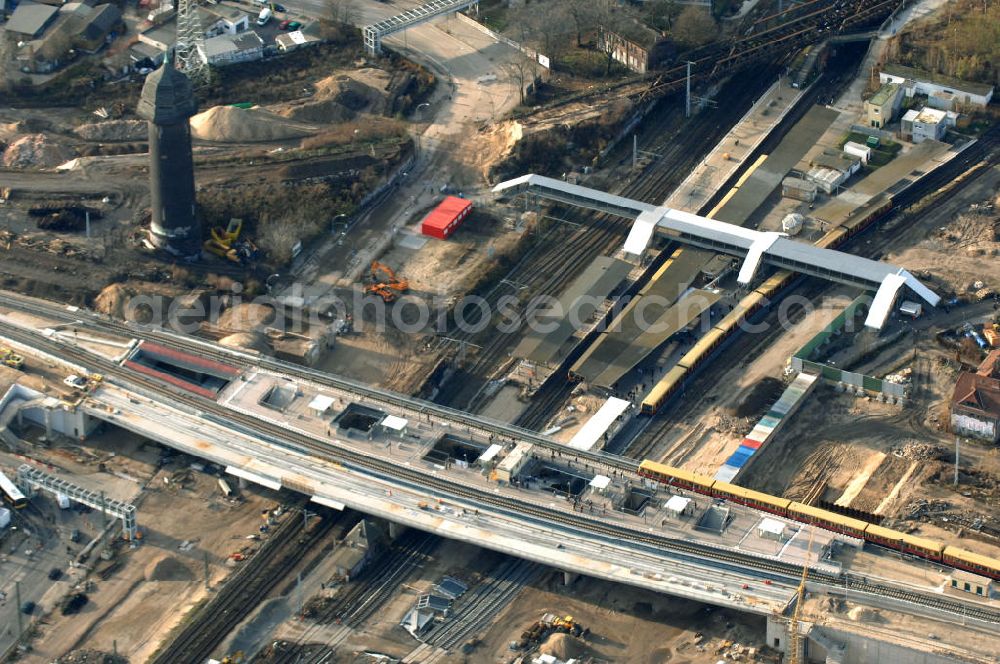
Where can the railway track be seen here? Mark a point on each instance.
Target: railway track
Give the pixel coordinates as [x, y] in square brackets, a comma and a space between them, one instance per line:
[481, 605]
[508, 506]
[210, 624]
[550, 272]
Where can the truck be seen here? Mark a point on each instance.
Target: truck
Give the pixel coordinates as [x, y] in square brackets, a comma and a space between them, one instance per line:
[264, 16]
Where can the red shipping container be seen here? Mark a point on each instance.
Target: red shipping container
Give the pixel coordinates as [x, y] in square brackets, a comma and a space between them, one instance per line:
[446, 217]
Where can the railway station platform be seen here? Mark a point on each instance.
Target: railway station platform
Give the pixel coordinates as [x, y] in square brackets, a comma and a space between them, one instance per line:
[733, 150]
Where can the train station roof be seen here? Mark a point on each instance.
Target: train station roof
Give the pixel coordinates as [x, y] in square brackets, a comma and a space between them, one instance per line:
[755, 246]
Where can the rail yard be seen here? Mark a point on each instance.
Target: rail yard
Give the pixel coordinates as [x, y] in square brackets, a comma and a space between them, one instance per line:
[475, 332]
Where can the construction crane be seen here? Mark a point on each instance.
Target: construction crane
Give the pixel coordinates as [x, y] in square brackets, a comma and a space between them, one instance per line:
[385, 283]
[794, 640]
[226, 243]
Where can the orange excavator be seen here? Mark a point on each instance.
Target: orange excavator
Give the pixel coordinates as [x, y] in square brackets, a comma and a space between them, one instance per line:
[385, 283]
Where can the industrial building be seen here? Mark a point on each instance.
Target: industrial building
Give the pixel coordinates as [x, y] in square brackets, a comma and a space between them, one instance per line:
[883, 105]
[227, 48]
[443, 220]
[942, 92]
[30, 19]
[926, 124]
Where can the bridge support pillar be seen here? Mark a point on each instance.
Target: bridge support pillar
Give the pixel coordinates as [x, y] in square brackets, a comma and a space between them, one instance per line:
[569, 578]
[48, 424]
[243, 483]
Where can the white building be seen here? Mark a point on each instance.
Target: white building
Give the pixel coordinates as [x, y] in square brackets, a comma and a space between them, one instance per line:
[227, 49]
[223, 20]
[288, 41]
[942, 91]
[927, 123]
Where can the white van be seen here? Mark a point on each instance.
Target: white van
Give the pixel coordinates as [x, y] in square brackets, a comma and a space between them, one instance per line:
[265, 16]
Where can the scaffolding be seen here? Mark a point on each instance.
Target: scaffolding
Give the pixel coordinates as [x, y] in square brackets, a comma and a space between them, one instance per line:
[29, 479]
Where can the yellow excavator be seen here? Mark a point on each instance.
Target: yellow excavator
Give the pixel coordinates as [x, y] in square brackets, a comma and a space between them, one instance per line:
[226, 243]
[11, 359]
[385, 283]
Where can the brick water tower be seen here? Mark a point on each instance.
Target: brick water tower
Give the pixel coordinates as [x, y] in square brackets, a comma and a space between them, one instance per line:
[168, 102]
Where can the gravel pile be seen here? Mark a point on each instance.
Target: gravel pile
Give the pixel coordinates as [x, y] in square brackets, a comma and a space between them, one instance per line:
[114, 130]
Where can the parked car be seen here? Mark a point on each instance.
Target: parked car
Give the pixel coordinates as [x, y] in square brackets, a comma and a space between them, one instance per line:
[278, 8]
[284, 24]
[265, 16]
[294, 25]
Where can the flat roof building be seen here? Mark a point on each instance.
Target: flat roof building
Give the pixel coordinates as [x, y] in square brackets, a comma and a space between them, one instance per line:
[883, 105]
[936, 86]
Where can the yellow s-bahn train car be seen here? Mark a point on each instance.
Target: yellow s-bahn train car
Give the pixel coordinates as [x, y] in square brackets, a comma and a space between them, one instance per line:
[676, 476]
[701, 349]
[920, 546]
[828, 520]
[971, 562]
[751, 498]
[664, 389]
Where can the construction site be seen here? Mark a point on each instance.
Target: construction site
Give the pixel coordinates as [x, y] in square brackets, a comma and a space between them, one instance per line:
[402, 332]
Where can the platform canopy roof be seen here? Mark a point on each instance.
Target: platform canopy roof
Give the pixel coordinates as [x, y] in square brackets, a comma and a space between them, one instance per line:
[755, 246]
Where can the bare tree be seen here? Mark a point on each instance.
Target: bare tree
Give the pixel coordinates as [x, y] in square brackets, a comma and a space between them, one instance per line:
[695, 26]
[342, 11]
[661, 14]
[542, 26]
[521, 70]
[583, 15]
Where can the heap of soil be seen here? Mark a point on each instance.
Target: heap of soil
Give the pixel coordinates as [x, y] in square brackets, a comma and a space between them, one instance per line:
[111, 301]
[564, 646]
[245, 317]
[327, 111]
[114, 130]
[35, 151]
[230, 124]
[254, 341]
[87, 656]
[760, 396]
[168, 568]
[864, 614]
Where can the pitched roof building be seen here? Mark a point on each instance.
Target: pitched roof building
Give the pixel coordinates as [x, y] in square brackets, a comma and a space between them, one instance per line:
[30, 19]
[975, 403]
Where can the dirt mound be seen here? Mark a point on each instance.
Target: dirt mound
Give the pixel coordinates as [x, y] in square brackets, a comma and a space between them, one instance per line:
[323, 112]
[863, 614]
[87, 656]
[112, 300]
[564, 646]
[364, 89]
[168, 568]
[35, 151]
[114, 130]
[254, 341]
[229, 124]
[245, 317]
[760, 396]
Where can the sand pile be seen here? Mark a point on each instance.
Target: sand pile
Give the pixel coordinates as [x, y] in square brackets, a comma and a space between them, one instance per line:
[245, 317]
[563, 646]
[35, 151]
[229, 124]
[252, 341]
[325, 112]
[114, 130]
[364, 89]
[168, 569]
